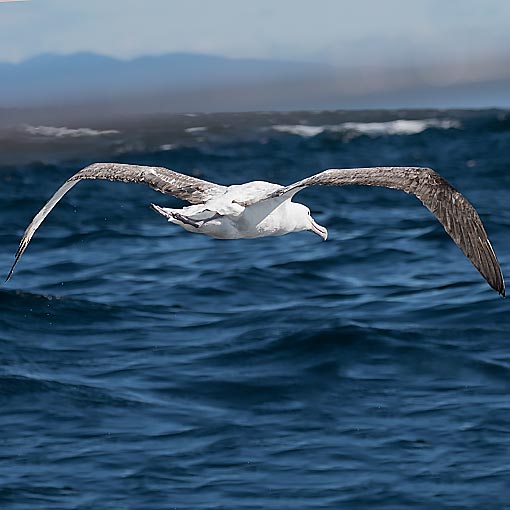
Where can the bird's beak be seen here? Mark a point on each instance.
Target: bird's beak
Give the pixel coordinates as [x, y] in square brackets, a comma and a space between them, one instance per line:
[319, 230]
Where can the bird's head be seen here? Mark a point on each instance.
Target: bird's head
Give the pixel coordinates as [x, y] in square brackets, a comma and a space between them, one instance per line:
[306, 222]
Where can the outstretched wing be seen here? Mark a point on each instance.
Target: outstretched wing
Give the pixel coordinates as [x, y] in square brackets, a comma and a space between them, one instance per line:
[185, 187]
[458, 217]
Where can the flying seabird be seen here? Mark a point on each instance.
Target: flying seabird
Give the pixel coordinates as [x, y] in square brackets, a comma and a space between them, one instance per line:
[259, 209]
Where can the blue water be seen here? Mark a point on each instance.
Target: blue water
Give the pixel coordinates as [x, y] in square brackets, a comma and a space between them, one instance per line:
[142, 367]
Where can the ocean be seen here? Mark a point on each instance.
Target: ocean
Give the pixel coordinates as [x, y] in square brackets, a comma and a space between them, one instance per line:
[142, 367]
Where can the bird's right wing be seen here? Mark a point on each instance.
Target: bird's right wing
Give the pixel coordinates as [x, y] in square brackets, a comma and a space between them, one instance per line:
[185, 187]
[458, 217]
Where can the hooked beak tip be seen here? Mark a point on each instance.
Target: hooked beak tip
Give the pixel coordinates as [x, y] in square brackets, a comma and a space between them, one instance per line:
[319, 230]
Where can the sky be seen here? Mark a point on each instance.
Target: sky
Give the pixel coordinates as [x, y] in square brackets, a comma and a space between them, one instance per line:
[339, 32]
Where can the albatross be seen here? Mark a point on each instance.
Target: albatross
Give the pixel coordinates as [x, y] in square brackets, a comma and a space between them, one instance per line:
[260, 209]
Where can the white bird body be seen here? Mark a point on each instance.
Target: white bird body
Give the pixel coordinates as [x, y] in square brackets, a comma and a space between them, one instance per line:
[224, 217]
[261, 209]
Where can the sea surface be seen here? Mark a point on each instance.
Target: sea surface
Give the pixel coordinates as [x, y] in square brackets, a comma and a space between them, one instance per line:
[142, 367]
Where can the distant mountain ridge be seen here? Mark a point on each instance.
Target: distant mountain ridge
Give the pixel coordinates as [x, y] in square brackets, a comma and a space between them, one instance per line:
[87, 85]
[81, 77]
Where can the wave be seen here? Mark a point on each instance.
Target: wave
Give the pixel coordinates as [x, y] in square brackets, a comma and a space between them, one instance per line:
[401, 127]
[197, 129]
[302, 130]
[168, 146]
[394, 127]
[65, 132]
[31, 384]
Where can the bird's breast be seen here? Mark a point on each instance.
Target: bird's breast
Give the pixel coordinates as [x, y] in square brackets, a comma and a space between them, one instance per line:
[267, 218]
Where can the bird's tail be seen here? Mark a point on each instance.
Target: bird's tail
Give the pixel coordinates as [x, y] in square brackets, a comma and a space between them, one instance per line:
[176, 217]
[164, 212]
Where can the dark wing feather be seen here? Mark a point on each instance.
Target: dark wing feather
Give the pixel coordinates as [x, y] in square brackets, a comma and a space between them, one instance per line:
[458, 217]
[185, 187]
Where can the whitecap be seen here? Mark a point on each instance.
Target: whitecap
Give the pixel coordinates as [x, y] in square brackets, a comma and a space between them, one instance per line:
[399, 127]
[394, 127]
[301, 129]
[197, 129]
[168, 146]
[65, 132]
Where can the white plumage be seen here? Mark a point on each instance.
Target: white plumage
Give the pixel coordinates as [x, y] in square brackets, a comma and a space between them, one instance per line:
[260, 209]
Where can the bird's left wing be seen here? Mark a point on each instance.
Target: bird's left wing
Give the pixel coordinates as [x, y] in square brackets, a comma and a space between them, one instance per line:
[458, 217]
[185, 187]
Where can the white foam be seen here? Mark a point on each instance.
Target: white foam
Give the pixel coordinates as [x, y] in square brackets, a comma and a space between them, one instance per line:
[168, 146]
[300, 129]
[394, 127]
[197, 129]
[399, 127]
[64, 132]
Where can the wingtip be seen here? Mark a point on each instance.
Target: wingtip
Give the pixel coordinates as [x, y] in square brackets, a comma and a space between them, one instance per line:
[16, 260]
[499, 287]
[12, 270]
[9, 275]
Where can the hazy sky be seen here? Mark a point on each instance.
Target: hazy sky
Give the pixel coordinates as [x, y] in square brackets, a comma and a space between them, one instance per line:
[345, 32]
